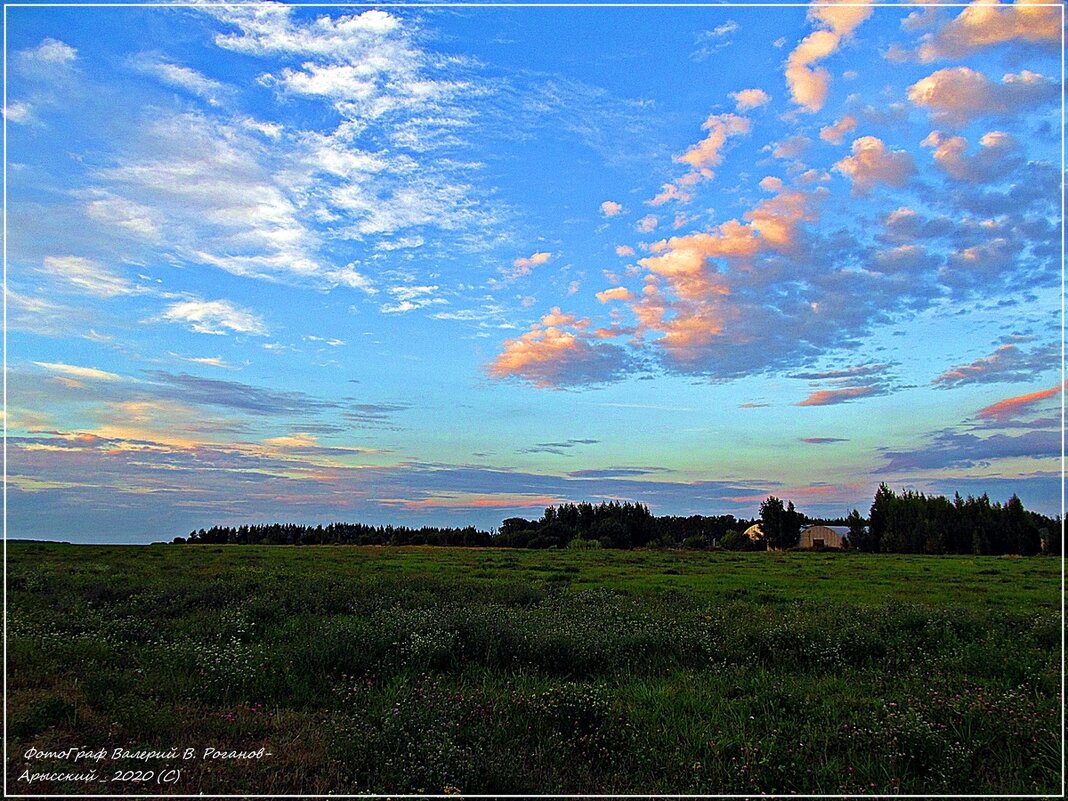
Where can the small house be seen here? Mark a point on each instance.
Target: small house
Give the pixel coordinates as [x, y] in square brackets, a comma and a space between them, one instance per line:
[815, 537]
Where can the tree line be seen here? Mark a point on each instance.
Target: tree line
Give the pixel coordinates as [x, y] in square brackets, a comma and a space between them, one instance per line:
[906, 523]
[916, 523]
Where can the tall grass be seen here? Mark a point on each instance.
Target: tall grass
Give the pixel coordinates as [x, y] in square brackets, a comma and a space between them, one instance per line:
[408, 670]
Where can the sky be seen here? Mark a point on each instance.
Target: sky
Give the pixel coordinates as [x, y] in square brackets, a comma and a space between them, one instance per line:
[427, 265]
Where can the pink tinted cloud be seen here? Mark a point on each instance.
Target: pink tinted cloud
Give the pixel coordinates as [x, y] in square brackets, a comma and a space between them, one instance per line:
[984, 23]
[475, 501]
[558, 351]
[615, 293]
[748, 99]
[1008, 363]
[873, 163]
[524, 264]
[835, 134]
[829, 397]
[648, 223]
[998, 154]
[957, 94]
[708, 152]
[670, 192]
[610, 208]
[807, 82]
[1011, 407]
[687, 301]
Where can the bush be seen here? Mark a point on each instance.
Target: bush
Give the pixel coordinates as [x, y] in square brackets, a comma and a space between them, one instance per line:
[736, 541]
[542, 541]
[579, 544]
[695, 542]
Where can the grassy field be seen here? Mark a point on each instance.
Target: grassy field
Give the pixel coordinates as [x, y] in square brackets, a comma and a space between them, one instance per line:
[503, 671]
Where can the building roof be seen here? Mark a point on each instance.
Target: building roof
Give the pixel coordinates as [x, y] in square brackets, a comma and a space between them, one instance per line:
[841, 531]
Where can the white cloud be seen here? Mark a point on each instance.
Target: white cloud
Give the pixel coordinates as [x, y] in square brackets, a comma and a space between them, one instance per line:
[88, 276]
[351, 278]
[215, 317]
[610, 208]
[133, 218]
[19, 112]
[181, 77]
[73, 371]
[712, 41]
[269, 29]
[207, 361]
[409, 298]
[201, 184]
[272, 130]
[49, 51]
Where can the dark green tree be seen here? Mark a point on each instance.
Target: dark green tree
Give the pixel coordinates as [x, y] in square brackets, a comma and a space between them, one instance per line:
[858, 532]
[781, 524]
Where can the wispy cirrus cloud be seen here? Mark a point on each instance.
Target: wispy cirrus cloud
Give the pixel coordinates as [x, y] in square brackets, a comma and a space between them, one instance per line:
[221, 205]
[89, 276]
[558, 448]
[215, 317]
[74, 371]
[180, 77]
[709, 42]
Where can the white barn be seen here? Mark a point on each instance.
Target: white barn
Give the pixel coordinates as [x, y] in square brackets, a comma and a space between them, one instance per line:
[755, 533]
[823, 536]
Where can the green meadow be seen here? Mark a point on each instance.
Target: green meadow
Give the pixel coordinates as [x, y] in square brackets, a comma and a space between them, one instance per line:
[448, 670]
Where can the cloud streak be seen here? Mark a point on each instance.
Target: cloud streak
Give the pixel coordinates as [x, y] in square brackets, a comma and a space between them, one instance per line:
[1009, 408]
[215, 317]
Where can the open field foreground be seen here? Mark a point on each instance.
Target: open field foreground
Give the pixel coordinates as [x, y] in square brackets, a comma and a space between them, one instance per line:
[484, 671]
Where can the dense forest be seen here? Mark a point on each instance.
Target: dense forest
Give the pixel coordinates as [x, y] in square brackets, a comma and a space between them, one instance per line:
[907, 523]
[606, 525]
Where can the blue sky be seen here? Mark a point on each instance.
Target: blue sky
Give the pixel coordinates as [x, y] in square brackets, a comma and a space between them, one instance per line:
[450, 265]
